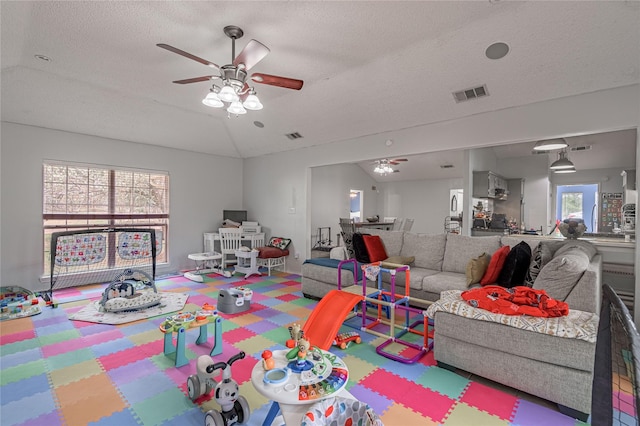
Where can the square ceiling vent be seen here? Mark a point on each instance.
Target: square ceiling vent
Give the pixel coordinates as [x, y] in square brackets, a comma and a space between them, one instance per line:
[469, 94]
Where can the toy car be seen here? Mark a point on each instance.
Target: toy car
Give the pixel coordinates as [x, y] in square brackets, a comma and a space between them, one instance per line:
[343, 339]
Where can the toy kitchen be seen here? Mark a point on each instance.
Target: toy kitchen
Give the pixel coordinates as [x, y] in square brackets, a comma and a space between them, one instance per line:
[498, 204]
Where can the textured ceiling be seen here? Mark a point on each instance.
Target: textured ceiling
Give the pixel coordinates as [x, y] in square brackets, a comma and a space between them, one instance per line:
[108, 78]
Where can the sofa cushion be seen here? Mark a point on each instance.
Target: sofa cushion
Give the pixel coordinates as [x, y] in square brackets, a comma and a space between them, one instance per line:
[476, 268]
[428, 250]
[495, 266]
[460, 248]
[561, 274]
[437, 283]
[585, 246]
[392, 240]
[515, 266]
[375, 248]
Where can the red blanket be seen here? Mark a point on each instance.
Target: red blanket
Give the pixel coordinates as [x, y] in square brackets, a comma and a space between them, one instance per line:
[518, 300]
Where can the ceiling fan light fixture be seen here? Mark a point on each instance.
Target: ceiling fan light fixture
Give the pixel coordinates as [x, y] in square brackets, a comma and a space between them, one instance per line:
[212, 100]
[228, 94]
[550, 144]
[236, 108]
[252, 102]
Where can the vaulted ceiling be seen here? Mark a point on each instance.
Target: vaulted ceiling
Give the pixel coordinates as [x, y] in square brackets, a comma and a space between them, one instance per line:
[368, 67]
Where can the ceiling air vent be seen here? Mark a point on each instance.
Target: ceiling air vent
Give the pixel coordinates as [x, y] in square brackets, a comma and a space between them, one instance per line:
[473, 93]
[294, 135]
[581, 148]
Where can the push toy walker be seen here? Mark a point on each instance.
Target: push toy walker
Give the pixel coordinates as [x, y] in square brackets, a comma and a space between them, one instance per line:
[235, 408]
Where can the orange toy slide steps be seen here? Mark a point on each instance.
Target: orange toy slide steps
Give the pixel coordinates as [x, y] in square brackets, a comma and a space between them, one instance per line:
[326, 318]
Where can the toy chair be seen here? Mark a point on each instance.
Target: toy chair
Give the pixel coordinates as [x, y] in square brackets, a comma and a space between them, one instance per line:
[230, 242]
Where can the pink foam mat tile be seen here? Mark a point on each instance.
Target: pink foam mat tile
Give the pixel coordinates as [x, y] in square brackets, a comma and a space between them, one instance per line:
[118, 359]
[413, 396]
[64, 347]
[490, 400]
[17, 337]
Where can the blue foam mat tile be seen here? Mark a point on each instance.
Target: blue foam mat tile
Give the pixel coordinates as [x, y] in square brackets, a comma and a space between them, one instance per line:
[31, 407]
[16, 391]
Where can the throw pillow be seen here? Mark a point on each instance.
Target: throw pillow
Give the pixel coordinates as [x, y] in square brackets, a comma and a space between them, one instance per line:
[338, 253]
[359, 249]
[515, 266]
[278, 242]
[495, 266]
[562, 273]
[400, 260]
[375, 248]
[476, 268]
[542, 254]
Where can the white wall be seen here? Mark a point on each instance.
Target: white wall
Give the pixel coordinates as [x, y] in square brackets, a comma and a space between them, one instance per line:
[597, 112]
[330, 186]
[425, 201]
[201, 187]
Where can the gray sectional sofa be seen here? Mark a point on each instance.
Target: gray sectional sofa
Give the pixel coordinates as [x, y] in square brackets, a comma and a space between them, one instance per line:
[558, 369]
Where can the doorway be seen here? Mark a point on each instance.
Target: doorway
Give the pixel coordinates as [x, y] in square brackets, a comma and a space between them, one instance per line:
[355, 204]
[578, 202]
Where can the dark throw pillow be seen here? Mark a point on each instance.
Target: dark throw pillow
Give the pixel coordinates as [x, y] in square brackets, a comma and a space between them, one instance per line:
[359, 248]
[495, 266]
[515, 266]
[375, 248]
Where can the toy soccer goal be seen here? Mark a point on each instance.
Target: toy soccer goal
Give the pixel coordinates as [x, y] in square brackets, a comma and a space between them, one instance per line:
[113, 255]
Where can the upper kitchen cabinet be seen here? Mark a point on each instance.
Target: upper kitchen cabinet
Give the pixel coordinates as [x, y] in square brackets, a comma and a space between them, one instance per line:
[489, 185]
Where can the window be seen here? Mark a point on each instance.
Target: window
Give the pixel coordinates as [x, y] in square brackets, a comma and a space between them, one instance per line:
[93, 197]
[579, 202]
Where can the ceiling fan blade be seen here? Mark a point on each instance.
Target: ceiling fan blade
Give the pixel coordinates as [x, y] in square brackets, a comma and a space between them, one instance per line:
[274, 80]
[195, 79]
[252, 53]
[187, 55]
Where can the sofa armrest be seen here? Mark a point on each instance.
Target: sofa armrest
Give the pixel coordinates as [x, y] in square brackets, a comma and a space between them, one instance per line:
[587, 293]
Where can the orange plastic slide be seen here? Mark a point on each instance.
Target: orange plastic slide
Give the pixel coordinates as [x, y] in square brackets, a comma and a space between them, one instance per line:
[326, 318]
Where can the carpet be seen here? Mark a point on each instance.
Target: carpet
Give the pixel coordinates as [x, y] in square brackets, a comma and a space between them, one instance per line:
[169, 302]
[60, 372]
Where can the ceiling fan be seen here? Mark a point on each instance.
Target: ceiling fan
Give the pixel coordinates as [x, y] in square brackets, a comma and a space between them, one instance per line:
[383, 166]
[234, 89]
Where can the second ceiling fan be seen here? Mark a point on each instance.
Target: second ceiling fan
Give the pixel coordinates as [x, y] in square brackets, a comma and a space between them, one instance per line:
[233, 88]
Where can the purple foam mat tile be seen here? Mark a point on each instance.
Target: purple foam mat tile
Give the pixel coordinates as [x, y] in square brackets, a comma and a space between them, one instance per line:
[407, 371]
[131, 372]
[146, 387]
[265, 312]
[193, 416]
[50, 419]
[140, 327]
[94, 328]
[15, 391]
[49, 317]
[28, 408]
[112, 346]
[23, 357]
[55, 328]
[262, 326]
[376, 399]
[120, 418]
[529, 414]
[199, 299]
[284, 318]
